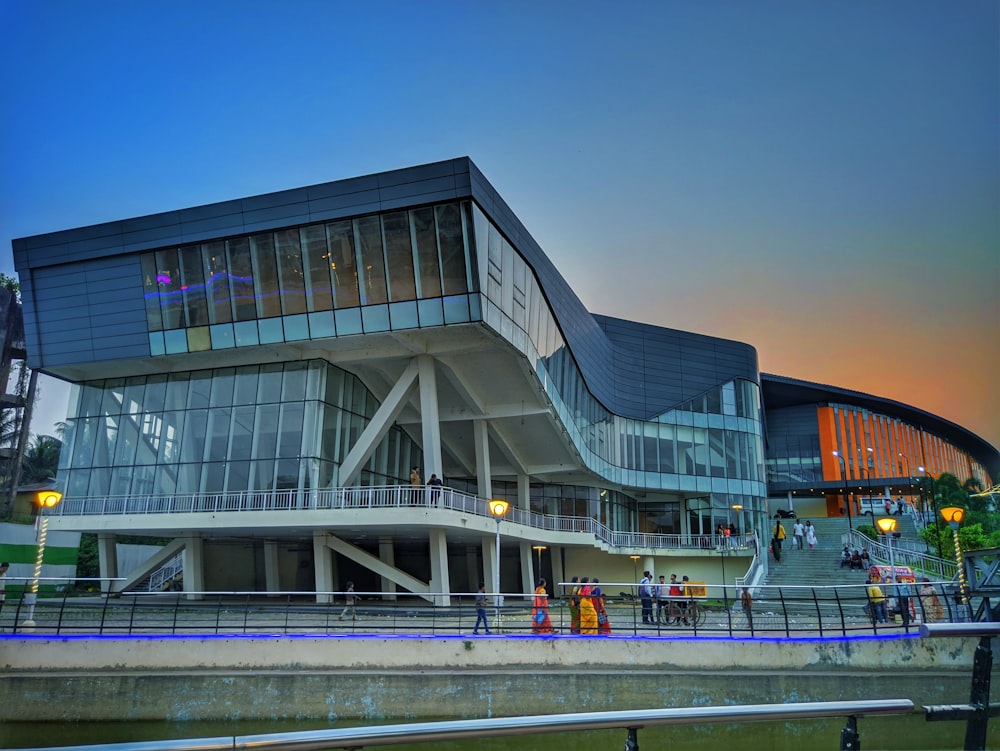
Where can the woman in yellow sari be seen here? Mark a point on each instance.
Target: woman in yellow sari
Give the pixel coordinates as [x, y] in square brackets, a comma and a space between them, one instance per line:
[588, 613]
[540, 623]
[574, 606]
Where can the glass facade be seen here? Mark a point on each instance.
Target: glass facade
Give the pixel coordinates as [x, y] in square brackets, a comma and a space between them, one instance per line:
[423, 267]
[253, 428]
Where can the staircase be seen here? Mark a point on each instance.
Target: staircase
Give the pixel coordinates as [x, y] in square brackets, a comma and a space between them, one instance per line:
[819, 566]
[822, 564]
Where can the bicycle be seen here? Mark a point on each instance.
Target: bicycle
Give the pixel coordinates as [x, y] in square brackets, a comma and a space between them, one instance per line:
[683, 613]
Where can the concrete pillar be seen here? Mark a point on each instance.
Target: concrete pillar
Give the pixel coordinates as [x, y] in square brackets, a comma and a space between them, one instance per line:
[528, 575]
[489, 562]
[323, 564]
[272, 577]
[107, 555]
[791, 502]
[194, 566]
[480, 432]
[387, 554]
[440, 580]
[429, 419]
[473, 573]
[523, 493]
[558, 574]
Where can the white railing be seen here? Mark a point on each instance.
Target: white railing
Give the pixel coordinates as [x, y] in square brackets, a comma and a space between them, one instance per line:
[921, 563]
[382, 497]
[165, 573]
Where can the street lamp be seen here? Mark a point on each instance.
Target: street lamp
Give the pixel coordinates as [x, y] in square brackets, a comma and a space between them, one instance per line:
[738, 508]
[954, 515]
[498, 507]
[539, 549]
[847, 502]
[887, 526]
[46, 499]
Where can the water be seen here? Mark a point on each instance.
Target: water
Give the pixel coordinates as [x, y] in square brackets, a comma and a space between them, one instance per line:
[907, 732]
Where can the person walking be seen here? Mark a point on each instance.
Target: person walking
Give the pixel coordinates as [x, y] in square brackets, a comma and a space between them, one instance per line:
[811, 535]
[351, 600]
[646, 596]
[798, 535]
[574, 605]
[540, 622]
[603, 622]
[482, 601]
[930, 602]
[746, 604]
[588, 613]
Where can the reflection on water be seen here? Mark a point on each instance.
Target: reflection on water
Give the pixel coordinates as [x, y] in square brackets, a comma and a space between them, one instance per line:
[909, 733]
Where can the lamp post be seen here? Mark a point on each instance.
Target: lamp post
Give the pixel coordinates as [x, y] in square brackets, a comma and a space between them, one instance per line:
[954, 515]
[539, 549]
[46, 499]
[887, 526]
[498, 507]
[847, 502]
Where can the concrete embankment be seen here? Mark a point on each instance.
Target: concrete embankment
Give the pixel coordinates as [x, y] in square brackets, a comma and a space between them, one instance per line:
[374, 677]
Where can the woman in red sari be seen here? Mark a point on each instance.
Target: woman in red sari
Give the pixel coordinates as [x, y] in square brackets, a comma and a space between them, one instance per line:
[540, 623]
[603, 623]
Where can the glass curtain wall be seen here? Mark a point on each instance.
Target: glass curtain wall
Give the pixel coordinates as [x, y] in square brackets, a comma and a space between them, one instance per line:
[253, 428]
[424, 267]
[711, 445]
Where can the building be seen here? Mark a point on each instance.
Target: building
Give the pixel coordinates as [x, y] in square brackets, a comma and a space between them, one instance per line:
[257, 378]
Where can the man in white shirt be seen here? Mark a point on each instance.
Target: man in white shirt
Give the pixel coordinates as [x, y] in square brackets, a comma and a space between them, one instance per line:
[646, 596]
[798, 534]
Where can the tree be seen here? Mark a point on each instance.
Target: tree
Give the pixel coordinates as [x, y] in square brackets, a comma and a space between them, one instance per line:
[9, 282]
[41, 460]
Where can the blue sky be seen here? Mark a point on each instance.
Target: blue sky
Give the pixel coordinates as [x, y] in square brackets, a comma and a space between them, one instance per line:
[819, 179]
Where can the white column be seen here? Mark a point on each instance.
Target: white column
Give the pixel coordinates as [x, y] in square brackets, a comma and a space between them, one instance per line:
[194, 566]
[484, 479]
[528, 575]
[430, 427]
[557, 571]
[440, 580]
[489, 562]
[107, 554]
[387, 554]
[523, 492]
[791, 502]
[272, 577]
[472, 568]
[323, 564]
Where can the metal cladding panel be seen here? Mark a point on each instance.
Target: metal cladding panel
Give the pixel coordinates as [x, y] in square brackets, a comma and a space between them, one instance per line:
[685, 364]
[447, 180]
[590, 347]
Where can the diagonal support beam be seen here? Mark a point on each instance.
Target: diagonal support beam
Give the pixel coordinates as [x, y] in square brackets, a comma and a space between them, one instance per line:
[372, 563]
[380, 423]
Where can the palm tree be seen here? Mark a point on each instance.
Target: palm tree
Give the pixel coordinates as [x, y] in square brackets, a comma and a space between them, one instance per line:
[41, 460]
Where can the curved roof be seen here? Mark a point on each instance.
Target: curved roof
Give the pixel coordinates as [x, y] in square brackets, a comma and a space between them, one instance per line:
[781, 391]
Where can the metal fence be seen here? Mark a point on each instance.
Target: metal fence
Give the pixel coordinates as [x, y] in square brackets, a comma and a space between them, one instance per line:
[786, 611]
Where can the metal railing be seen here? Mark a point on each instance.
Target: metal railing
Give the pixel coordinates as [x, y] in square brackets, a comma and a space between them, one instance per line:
[381, 497]
[923, 564]
[785, 611]
[495, 727]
